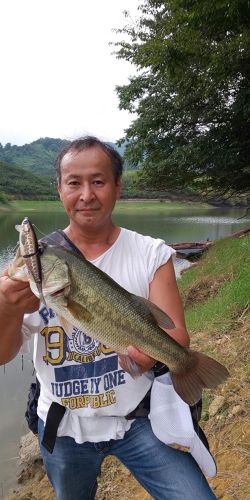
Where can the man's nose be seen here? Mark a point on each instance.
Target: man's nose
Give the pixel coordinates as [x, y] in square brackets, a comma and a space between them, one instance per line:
[87, 193]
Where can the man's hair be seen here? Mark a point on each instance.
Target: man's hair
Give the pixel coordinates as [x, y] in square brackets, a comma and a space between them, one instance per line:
[88, 142]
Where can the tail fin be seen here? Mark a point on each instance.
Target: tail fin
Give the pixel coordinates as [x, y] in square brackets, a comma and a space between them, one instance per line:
[203, 372]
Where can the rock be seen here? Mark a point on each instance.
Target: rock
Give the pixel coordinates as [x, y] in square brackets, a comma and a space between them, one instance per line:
[29, 449]
[216, 405]
[236, 410]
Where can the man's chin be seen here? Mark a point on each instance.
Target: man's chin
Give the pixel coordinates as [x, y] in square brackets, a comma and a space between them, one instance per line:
[86, 220]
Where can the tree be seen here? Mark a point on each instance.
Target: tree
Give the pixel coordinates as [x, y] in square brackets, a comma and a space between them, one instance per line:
[191, 93]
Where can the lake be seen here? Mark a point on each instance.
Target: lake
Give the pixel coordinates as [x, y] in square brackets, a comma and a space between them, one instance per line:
[189, 224]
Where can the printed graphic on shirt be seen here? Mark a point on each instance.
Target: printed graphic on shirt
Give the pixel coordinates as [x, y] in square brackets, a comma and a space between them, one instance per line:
[87, 382]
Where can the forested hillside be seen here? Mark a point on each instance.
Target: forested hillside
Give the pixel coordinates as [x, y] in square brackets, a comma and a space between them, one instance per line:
[38, 157]
[15, 182]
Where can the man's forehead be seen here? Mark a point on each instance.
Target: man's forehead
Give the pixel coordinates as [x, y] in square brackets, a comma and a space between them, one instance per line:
[96, 153]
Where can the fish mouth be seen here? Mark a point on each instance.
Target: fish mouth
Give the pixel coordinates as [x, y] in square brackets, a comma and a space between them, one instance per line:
[61, 291]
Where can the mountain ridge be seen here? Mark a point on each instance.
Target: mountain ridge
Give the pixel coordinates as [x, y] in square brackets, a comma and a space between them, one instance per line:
[38, 157]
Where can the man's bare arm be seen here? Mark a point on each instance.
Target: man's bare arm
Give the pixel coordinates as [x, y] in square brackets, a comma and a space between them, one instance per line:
[165, 294]
[16, 299]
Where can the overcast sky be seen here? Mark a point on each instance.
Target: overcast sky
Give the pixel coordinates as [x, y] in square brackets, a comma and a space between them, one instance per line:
[58, 74]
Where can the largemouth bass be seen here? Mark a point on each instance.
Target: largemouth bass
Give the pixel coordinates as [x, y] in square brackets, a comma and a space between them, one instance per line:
[88, 298]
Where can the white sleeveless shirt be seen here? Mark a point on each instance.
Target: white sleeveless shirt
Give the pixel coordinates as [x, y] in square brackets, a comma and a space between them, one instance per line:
[79, 372]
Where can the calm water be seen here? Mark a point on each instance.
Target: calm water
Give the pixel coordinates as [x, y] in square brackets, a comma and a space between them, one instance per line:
[15, 378]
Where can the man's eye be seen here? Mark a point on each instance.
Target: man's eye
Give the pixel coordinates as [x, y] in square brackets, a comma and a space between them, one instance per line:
[98, 182]
[73, 183]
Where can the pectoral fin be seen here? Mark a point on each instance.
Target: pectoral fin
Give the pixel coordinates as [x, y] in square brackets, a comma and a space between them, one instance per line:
[79, 312]
[67, 326]
[161, 318]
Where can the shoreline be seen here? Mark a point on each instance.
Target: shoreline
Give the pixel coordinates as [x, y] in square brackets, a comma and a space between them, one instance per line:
[38, 205]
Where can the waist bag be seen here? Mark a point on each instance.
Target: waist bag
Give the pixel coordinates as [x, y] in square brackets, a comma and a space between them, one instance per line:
[56, 411]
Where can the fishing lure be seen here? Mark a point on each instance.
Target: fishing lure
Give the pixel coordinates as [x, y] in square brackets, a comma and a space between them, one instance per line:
[30, 251]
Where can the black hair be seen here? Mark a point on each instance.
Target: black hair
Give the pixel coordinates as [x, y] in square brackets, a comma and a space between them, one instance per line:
[87, 142]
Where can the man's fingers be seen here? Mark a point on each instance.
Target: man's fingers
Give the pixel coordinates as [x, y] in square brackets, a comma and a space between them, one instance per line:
[15, 285]
[139, 356]
[18, 293]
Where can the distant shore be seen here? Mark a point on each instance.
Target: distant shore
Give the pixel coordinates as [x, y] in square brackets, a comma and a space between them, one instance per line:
[56, 206]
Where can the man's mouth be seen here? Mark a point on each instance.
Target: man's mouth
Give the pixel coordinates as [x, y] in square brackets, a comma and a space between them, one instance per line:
[87, 210]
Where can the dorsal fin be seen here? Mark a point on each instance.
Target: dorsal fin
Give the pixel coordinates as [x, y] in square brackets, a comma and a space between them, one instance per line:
[161, 318]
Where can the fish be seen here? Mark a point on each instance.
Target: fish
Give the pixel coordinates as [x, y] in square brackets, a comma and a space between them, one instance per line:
[29, 251]
[86, 297]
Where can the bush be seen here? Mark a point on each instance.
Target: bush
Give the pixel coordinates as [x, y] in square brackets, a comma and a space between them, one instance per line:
[3, 198]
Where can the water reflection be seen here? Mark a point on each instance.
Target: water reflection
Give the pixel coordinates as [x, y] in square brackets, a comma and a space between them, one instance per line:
[184, 226]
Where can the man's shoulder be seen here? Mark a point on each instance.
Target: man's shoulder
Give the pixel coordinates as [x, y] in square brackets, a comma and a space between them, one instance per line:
[140, 238]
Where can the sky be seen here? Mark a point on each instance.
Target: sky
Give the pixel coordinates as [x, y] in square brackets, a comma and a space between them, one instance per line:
[58, 73]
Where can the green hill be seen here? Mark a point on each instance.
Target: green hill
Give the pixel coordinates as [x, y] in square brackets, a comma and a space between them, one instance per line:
[38, 157]
[15, 182]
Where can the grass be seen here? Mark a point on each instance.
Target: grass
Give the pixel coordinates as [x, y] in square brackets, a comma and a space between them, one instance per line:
[216, 295]
[222, 278]
[38, 206]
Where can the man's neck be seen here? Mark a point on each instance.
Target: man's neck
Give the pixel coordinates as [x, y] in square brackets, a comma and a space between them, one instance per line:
[93, 243]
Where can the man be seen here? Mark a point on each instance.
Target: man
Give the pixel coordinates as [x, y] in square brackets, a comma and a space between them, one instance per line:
[94, 424]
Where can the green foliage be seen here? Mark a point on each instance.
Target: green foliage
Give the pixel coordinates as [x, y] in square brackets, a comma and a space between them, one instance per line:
[3, 198]
[129, 181]
[39, 156]
[18, 183]
[191, 94]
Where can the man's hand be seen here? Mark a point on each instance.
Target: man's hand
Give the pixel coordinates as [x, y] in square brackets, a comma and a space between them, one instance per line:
[17, 295]
[145, 362]
[16, 299]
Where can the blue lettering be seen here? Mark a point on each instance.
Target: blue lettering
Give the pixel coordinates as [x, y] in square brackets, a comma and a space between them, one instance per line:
[94, 388]
[76, 387]
[106, 382]
[59, 390]
[121, 374]
[67, 389]
[114, 379]
[84, 386]
[46, 314]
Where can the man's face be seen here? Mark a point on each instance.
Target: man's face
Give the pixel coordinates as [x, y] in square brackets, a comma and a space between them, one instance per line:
[88, 189]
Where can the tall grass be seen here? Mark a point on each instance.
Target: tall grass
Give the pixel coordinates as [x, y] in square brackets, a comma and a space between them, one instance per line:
[218, 289]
